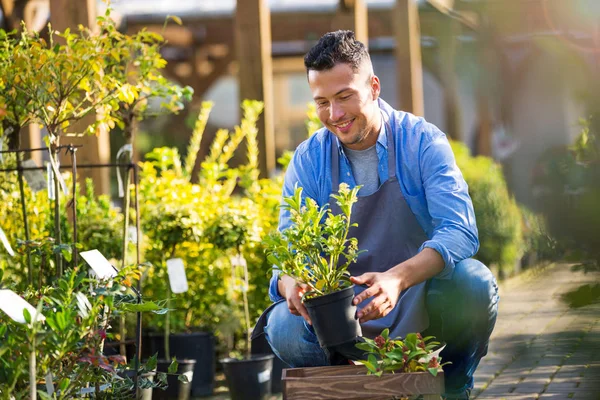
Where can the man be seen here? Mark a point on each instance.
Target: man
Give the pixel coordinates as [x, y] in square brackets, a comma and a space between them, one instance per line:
[415, 219]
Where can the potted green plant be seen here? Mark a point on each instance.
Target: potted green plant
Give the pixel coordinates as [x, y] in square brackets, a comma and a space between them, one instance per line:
[316, 251]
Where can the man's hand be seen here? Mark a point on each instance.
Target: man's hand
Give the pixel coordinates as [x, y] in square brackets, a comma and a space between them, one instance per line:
[293, 291]
[383, 287]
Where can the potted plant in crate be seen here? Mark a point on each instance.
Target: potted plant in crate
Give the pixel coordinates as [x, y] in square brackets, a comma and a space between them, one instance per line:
[316, 251]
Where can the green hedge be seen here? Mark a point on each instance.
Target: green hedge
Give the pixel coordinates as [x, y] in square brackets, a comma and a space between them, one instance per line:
[499, 219]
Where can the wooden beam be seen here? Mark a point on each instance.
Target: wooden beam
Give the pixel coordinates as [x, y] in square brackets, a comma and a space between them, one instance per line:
[255, 77]
[352, 15]
[409, 70]
[96, 149]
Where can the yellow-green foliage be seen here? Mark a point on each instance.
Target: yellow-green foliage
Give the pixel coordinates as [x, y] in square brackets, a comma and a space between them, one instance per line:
[228, 210]
[99, 226]
[497, 213]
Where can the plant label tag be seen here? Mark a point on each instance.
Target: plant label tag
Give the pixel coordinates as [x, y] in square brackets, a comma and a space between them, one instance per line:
[14, 305]
[34, 177]
[133, 234]
[99, 264]
[177, 277]
[49, 383]
[264, 376]
[238, 261]
[6, 243]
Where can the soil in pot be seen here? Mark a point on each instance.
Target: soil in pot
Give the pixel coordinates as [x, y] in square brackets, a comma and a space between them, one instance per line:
[199, 346]
[249, 379]
[177, 390]
[333, 317]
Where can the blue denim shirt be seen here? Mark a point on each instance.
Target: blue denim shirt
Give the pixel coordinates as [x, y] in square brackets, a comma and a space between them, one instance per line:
[429, 178]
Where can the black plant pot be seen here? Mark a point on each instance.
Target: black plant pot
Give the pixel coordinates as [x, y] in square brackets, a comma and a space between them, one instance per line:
[199, 346]
[177, 390]
[333, 317]
[261, 346]
[249, 379]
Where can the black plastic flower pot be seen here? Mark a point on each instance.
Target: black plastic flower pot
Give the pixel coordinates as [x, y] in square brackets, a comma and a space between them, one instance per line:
[199, 346]
[261, 346]
[177, 390]
[249, 379]
[333, 317]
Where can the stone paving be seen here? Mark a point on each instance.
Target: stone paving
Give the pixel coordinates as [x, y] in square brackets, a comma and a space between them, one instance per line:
[540, 349]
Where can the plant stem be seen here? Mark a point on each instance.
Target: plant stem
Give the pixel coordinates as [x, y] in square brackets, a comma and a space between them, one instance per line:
[32, 368]
[168, 325]
[25, 222]
[246, 309]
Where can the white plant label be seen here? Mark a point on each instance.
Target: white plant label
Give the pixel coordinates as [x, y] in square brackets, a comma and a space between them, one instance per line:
[49, 383]
[6, 243]
[34, 177]
[238, 261]
[177, 278]
[133, 236]
[13, 305]
[99, 264]
[264, 376]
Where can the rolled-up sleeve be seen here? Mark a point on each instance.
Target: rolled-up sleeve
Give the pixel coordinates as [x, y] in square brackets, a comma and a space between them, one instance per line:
[455, 235]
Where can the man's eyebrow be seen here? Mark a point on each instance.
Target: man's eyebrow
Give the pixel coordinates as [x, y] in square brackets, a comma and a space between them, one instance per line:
[339, 92]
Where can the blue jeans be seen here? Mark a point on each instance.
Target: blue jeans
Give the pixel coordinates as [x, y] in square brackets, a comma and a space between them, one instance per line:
[462, 313]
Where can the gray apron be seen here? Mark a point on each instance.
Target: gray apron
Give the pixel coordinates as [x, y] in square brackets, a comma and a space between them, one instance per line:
[391, 234]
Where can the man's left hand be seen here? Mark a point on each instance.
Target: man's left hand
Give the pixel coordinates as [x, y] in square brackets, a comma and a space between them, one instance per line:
[383, 287]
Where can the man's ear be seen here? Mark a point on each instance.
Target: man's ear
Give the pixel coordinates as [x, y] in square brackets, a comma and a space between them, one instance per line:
[375, 87]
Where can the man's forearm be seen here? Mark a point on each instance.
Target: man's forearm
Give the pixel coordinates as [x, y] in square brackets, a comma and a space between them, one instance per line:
[425, 265]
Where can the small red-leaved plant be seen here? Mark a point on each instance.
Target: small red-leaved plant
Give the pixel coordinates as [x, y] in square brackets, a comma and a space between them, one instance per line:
[413, 354]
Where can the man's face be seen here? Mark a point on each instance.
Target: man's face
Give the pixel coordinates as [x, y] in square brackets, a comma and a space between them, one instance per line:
[347, 103]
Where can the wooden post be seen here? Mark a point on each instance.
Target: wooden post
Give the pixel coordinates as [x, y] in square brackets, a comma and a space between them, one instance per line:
[409, 70]
[96, 149]
[447, 39]
[255, 77]
[352, 15]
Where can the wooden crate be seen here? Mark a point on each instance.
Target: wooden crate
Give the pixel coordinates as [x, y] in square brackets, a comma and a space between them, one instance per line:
[351, 382]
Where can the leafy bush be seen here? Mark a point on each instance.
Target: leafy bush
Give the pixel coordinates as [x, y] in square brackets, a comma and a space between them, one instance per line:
[567, 191]
[99, 224]
[67, 344]
[226, 212]
[497, 213]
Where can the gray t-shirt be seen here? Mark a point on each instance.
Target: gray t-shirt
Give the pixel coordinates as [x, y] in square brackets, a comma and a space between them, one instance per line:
[365, 164]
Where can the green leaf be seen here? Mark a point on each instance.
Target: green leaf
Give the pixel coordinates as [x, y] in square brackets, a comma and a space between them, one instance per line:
[183, 378]
[433, 371]
[173, 367]
[27, 316]
[175, 19]
[365, 347]
[151, 363]
[386, 333]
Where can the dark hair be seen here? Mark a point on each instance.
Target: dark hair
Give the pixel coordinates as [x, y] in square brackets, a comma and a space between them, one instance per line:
[334, 48]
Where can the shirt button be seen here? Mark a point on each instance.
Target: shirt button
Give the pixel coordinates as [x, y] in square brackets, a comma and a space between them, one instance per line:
[348, 173]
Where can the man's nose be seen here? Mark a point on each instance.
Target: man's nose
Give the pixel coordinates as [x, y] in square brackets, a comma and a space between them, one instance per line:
[336, 113]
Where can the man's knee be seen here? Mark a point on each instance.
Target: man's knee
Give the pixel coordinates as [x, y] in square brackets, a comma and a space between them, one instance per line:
[292, 340]
[475, 281]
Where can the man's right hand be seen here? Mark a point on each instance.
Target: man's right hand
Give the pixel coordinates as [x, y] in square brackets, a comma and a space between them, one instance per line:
[293, 291]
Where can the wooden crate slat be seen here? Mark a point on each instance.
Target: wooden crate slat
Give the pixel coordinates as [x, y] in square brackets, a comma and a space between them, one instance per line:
[351, 382]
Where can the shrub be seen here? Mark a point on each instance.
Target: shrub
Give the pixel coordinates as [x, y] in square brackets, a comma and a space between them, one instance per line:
[497, 213]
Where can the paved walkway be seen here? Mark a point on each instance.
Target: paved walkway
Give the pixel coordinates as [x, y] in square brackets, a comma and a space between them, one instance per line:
[540, 348]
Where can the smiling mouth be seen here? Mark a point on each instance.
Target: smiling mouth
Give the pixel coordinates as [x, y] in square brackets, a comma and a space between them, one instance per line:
[344, 124]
